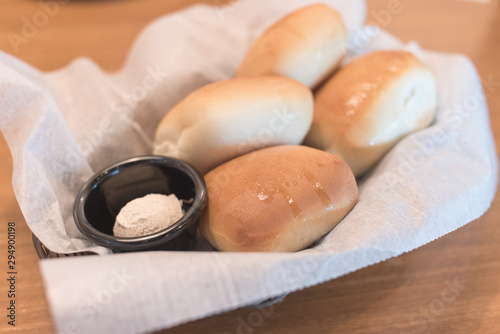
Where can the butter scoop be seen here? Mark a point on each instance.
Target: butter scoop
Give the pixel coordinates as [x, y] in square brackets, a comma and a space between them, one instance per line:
[147, 215]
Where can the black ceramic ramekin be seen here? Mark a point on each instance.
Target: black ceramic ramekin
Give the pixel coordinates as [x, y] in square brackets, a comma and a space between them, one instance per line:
[101, 198]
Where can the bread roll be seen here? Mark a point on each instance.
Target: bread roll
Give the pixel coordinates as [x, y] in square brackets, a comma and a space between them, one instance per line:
[307, 45]
[226, 119]
[278, 199]
[369, 105]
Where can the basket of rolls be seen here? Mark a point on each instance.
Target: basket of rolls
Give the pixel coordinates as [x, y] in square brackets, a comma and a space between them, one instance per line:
[291, 153]
[279, 163]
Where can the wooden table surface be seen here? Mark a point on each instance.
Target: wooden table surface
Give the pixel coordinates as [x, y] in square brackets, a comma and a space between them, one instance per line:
[451, 285]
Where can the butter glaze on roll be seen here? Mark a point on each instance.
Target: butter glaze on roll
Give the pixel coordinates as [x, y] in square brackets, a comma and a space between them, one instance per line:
[371, 104]
[306, 45]
[278, 199]
[226, 119]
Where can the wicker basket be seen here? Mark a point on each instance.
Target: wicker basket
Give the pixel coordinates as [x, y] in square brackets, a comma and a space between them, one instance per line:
[45, 253]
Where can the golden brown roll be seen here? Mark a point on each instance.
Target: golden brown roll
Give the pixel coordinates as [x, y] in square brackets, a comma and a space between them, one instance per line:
[278, 199]
[226, 119]
[371, 104]
[306, 45]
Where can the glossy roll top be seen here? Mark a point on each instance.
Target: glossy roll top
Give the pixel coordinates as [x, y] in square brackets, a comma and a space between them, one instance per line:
[278, 199]
[306, 45]
[370, 104]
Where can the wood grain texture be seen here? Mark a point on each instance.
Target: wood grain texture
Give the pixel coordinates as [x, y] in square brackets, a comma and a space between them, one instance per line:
[451, 285]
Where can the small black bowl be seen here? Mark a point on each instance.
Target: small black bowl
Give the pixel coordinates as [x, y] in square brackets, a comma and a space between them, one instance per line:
[102, 197]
